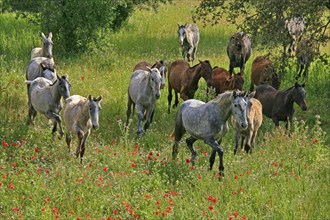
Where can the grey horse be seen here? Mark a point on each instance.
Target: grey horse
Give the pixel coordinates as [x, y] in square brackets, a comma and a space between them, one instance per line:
[188, 39]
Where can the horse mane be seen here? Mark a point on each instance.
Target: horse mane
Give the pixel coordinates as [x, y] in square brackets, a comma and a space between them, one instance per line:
[223, 97]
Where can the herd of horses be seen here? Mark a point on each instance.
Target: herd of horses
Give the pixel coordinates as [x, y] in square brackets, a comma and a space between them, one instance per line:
[207, 121]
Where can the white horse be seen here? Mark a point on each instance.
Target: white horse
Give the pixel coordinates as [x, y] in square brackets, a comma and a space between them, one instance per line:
[143, 91]
[46, 49]
[295, 27]
[38, 67]
[188, 39]
[160, 65]
[45, 97]
[80, 115]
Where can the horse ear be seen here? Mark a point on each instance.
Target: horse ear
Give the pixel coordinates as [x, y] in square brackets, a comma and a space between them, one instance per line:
[99, 98]
[43, 35]
[90, 98]
[296, 84]
[234, 94]
[178, 25]
[50, 35]
[303, 85]
[43, 66]
[149, 69]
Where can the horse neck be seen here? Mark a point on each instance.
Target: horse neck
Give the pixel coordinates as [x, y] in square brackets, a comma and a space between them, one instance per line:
[224, 104]
[84, 113]
[55, 90]
[289, 97]
[196, 73]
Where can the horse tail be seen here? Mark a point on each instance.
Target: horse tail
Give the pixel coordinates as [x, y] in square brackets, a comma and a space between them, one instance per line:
[179, 129]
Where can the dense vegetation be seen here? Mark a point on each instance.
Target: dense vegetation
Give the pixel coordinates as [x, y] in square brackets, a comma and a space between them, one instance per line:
[123, 177]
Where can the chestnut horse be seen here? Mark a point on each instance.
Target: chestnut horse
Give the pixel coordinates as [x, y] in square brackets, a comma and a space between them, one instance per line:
[263, 72]
[278, 105]
[221, 80]
[184, 79]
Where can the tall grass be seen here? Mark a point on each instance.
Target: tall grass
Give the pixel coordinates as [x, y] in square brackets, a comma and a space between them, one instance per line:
[122, 177]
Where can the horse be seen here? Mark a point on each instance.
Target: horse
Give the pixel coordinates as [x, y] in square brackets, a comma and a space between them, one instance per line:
[239, 51]
[222, 81]
[46, 49]
[305, 53]
[254, 117]
[188, 39]
[184, 79]
[208, 122]
[295, 27]
[160, 65]
[143, 91]
[80, 115]
[278, 104]
[263, 72]
[45, 98]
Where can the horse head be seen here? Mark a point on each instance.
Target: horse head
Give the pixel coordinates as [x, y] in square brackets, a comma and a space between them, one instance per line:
[47, 45]
[94, 109]
[64, 85]
[238, 81]
[155, 81]
[239, 108]
[206, 72]
[182, 33]
[299, 96]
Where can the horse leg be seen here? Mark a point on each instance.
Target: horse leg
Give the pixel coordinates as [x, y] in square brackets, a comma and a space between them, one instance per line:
[68, 140]
[140, 112]
[169, 98]
[190, 141]
[212, 158]
[128, 111]
[216, 147]
[247, 146]
[80, 135]
[149, 115]
[300, 71]
[231, 68]
[58, 120]
[32, 114]
[177, 134]
[82, 152]
[306, 70]
[251, 87]
[237, 137]
[176, 100]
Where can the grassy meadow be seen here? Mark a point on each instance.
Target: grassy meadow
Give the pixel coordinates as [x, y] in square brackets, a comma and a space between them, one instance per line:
[122, 177]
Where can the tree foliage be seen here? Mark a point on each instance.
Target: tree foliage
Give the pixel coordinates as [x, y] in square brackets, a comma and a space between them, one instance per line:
[264, 20]
[77, 24]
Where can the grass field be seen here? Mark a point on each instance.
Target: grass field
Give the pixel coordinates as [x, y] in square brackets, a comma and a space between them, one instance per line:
[123, 177]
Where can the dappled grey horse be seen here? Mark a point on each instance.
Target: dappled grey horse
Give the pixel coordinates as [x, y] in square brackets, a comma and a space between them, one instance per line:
[47, 47]
[143, 91]
[188, 39]
[80, 115]
[45, 97]
[239, 51]
[208, 122]
[295, 27]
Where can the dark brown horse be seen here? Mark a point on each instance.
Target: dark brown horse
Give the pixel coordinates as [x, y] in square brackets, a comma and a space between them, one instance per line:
[160, 65]
[184, 79]
[239, 51]
[263, 72]
[221, 80]
[278, 105]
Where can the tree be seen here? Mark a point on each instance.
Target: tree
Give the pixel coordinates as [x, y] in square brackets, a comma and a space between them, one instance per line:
[264, 20]
[77, 24]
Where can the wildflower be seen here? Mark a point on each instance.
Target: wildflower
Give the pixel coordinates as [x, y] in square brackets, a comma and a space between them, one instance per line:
[78, 199]
[71, 212]
[156, 213]
[192, 167]
[275, 173]
[13, 164]
[43, 209]
[82, 77]
[105, 168]
[205, 152]
[235, 177]
[187, 161]
[243, 217]
[241, 188]
[315, 141]
[47, 199]
[15, 209]
[11, 186]
[0, 184]
[133, 164]
[235, 214]
[5, 144]
[136, 216]
[115, 211]
[150, 153]
[199, 177]
[158, 202]
[33, 158]
[210, 207]
[147, 197]
[36, 149]
[234, 193]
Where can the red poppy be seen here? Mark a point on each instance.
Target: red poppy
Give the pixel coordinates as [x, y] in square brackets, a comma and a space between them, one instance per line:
[133, 164]
[136, 216]
[5, 144]
[13, 164]
[315, 141]
[115, 211]
[235, 214]
[210, 207]
[82, 78]
[71, 212]
[36, 149]
[187, 161]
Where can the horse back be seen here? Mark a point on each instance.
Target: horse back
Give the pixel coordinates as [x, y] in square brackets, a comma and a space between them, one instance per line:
[178, 75]
[219, 79]
[268, 96]
[262, 70]
[142, 66]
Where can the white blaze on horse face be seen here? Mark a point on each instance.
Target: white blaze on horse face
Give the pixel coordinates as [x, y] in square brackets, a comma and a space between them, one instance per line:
[162, 72]
[182, 35]
[94, 109]
[239, 112]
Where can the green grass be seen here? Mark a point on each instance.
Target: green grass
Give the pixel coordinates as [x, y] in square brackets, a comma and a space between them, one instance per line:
[284, 178]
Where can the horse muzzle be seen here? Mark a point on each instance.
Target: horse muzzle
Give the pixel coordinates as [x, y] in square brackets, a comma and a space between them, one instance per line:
[244, 126]
[95, 126]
